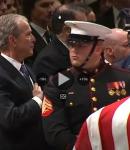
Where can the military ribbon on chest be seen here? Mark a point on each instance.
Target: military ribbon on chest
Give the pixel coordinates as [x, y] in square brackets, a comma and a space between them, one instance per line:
[116, 88]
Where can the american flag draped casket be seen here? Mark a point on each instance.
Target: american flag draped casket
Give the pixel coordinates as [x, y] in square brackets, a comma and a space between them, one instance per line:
[106, 129]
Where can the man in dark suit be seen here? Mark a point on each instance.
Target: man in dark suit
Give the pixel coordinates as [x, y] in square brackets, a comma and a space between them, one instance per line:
[39, 13]
[20, 97]
[96, 84]
[55, 56]
[108, 11]
[104, 13]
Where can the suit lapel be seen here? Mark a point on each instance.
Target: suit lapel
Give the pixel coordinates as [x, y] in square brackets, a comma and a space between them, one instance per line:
[39, 39]
[13, 73]
[60, 46]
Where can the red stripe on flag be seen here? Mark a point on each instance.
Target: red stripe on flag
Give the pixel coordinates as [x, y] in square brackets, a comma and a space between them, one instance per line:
[84, 138]
[105, 125]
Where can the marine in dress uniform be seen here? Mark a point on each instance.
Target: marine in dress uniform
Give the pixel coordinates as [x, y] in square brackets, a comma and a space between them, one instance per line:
[65, 109]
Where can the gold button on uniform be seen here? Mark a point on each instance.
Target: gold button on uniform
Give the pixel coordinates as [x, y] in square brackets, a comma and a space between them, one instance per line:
[71, 104]
[94, 108]
[111, 92]
[92, 80]
[94, 99]
[93, 89]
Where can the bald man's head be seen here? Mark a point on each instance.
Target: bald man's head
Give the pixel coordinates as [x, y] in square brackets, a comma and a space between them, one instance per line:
[116, 45]
[117, 36]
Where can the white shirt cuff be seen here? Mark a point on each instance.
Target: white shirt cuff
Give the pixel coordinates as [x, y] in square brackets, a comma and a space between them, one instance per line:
[38, 100]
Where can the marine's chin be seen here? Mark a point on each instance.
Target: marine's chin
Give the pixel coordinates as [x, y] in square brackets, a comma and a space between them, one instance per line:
[76, 63]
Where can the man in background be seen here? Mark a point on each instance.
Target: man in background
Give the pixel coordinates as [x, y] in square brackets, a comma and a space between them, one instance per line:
[55, 56]
[108, 11]
[116, 46]
[3, 7]
[39, 13]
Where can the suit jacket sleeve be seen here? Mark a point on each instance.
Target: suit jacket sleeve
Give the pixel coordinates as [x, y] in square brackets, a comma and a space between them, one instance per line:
[45, 65]
[15, 116]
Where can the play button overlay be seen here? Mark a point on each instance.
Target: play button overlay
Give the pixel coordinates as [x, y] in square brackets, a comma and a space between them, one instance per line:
[83, 79]
[64, 80]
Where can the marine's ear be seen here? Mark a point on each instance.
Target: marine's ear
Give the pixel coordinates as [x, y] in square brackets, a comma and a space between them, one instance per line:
[66, 29]
[109, 51]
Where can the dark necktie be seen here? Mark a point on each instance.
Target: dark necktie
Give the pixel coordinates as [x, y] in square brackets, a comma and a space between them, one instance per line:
[25, 73]
[121, 23]
[47, 37]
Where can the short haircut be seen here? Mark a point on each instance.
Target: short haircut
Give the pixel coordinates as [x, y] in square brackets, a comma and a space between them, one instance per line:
[58, 19]
[61, 15]
[9, 26]
[87, 8]
[27, 7]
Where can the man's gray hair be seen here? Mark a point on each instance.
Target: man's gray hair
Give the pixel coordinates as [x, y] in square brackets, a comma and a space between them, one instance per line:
[9, 26]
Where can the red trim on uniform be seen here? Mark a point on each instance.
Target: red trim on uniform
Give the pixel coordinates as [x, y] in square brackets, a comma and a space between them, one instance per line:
[47, 107]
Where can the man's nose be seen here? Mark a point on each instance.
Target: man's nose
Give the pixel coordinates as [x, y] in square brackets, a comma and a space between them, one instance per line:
[74, 49]
[13, 10]
[3, 6]
[33, 38]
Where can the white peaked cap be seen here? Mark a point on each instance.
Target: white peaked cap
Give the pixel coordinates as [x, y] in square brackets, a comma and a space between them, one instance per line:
[88, 28]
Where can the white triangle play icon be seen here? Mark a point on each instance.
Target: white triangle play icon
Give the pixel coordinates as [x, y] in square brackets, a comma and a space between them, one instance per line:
[62, 79]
